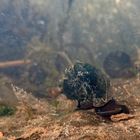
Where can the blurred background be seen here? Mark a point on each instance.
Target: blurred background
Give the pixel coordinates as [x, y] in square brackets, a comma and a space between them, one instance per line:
[40, 38]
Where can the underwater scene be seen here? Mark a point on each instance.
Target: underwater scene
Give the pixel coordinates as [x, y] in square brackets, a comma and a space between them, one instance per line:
[69, 70]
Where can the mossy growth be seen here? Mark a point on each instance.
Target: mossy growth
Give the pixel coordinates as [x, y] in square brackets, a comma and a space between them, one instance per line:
[6, 110]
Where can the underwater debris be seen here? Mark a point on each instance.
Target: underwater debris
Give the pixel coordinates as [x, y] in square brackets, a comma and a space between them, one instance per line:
[122, 116]
[90, 87]
[54, 92]
[119, 64]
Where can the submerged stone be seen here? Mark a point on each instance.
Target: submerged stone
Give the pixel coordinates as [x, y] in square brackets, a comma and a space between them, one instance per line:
[119, 64]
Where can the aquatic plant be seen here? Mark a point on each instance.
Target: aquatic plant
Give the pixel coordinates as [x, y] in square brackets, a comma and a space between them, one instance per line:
[6, 110]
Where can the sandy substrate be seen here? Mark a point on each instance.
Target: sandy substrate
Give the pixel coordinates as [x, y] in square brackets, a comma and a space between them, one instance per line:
[39, 120]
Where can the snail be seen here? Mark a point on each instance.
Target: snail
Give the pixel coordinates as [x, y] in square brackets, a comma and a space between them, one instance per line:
[90, 87]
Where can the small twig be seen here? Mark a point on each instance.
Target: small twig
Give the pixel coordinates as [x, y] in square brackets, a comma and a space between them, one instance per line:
[66, 57]
[14, 63]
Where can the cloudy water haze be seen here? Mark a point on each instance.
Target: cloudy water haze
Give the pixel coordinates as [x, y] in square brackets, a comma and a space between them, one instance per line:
[69, 69]
[57, 33]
